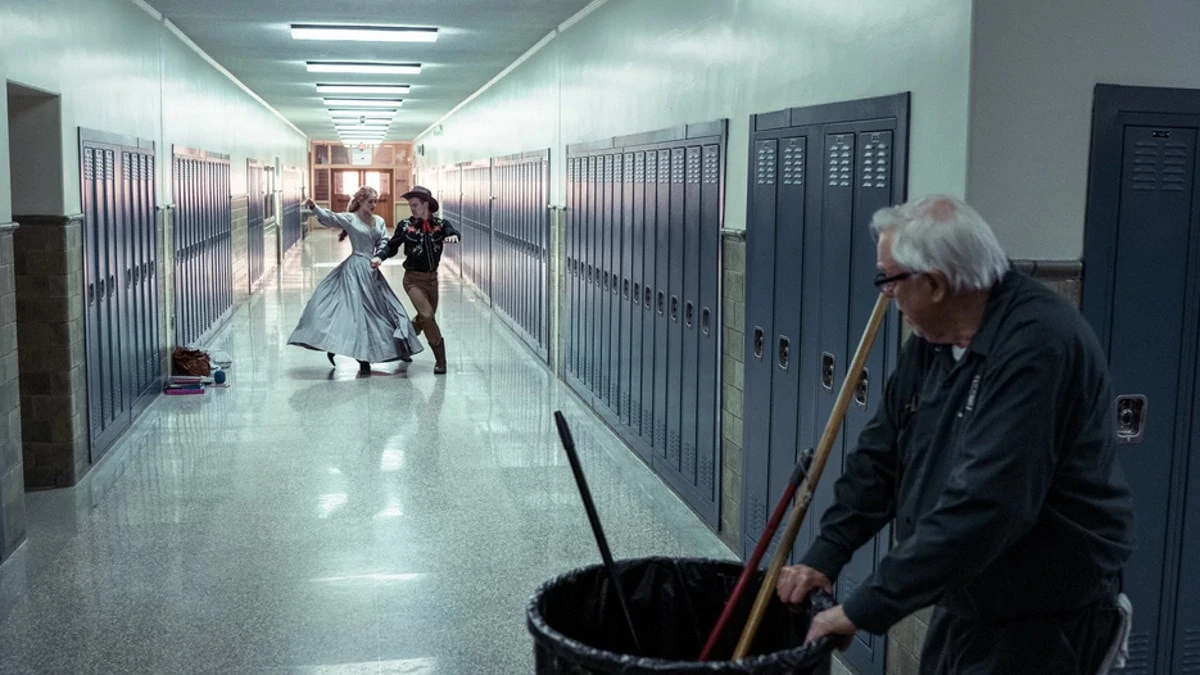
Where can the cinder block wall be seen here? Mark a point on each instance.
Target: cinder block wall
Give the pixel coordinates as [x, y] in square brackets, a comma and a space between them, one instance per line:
[12, 472]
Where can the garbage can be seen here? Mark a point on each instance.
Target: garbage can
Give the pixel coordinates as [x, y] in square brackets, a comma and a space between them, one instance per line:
[578, 626]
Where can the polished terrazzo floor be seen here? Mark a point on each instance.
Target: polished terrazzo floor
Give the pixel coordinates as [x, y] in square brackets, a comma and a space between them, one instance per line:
[313, 520]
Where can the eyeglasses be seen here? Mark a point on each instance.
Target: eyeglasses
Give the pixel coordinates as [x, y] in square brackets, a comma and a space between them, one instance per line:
[881, 280]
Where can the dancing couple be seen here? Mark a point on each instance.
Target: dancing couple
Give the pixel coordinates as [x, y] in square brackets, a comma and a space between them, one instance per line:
[353, 311]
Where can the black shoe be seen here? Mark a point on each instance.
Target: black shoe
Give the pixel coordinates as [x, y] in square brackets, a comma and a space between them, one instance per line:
[406, 358]
[364, 366]
[329, 355]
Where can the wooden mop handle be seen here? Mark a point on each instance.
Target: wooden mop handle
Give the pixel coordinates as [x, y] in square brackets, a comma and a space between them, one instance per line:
[810, 480]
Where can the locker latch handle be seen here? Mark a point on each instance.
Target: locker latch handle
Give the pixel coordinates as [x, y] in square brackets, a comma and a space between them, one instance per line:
[662, 302]
[128, 277]
[606, 280]
[616, 285]
[827, 365]
[862, 389]
[112, 282]
[758, 342]
[649, 299]
[637, 292]
[625, 289]
[675, 308]
[704, 320]
[91, 293]
[1131, 418]
[689, 314]
[785, 352]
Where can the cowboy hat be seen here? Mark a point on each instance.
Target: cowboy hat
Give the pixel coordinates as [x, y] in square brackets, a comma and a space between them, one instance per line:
[424, 194]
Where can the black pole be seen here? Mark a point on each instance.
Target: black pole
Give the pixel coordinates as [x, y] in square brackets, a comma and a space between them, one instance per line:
[564, 433]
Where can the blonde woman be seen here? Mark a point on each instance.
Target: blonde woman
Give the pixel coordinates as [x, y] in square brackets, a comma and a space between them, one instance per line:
[353, 311]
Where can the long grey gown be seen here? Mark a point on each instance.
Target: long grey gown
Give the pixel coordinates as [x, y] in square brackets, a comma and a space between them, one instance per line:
[353, 311]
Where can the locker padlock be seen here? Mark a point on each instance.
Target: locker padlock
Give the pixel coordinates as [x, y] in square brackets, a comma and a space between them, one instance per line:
[704, 320]
[785, 352]
[1131, 418]
[625, 289]
[827, 365]
[674, 308]
[662, 301]
[690, 314]
[758, 342]
[862, 389]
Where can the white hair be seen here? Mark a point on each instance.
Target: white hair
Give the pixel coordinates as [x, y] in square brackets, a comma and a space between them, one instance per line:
[943, 234]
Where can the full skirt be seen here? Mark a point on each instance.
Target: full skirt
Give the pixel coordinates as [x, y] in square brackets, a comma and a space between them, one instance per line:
[353, 312]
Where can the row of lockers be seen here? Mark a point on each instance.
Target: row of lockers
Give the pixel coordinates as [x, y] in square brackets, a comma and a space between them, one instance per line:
[642, 310]
[291, 224]
[121, 311]
[521, 245]
[255, 221]
[816, 177]
[500, 205]
[203, 242]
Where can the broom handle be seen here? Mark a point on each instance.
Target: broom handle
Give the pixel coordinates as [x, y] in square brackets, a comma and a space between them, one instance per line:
[814, 474]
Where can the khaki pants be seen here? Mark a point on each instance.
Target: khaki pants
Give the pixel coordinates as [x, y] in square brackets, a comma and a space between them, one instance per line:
[422, 289]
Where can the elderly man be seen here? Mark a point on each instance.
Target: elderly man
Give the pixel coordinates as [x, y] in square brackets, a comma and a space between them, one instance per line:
[993, 451]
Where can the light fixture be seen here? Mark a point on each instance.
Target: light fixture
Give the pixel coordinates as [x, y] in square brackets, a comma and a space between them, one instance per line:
[363, 88]
[372, 67]
[350, 114]
[365, 102]
[364, 33]
[362, 129]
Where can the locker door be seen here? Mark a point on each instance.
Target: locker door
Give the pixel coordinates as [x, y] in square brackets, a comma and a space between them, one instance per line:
[627, 291]
[760, 351]
[604, 279]
[1156, 214]
[114, 370]
[649, 279]
[690, 317]
[615, 355]
[636, 310]
[92, 196]
[662, 281]
[1186, 643]
[128, 307]
[572, 261]
[709, 382]
[589, 274]
[674, 351]
[543, 199]
[873, 174]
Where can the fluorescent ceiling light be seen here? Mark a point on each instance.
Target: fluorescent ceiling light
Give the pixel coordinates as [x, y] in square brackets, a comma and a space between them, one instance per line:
[348, 114]
[363, 88]
[365, 102]
[366, 130]
[363, 137]
[364, 33]
[376, 68]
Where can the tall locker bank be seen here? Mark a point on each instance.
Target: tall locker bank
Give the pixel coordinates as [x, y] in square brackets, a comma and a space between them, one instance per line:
[642, 297]
[120, 249]
[816, 177]
[203, 242]
[255, 240]
[291, 225]
[520, 245]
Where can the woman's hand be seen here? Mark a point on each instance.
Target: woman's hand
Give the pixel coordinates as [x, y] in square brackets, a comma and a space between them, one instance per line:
[376, 262]
[310, 204]
[452, 239]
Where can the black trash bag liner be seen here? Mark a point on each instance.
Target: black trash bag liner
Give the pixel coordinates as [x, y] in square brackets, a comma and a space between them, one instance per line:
[578, 626]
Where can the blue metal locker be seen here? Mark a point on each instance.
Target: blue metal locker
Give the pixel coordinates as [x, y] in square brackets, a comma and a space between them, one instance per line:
[689, 319]
[674, 288]
[662, 281]
[636, 310]
[614, 287]
[708, 404]
[570, 311]
[1142, 204]
[589, 278]
[650, 344]
[627, 296]
[604, 279]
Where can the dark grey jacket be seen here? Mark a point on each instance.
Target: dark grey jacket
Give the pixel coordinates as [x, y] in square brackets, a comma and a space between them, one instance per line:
[999, 470]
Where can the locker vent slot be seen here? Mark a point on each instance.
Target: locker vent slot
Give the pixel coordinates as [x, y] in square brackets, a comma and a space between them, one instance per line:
[839, 164]
[693, 169]
[765, 171]
[793, 162]
[677, 164]
[639, 172]
[712, 167]
[1139, 653]
[876, 163]
[1145, 166]
[1191, 650]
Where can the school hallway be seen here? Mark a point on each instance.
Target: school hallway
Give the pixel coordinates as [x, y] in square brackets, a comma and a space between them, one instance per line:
[314, 520]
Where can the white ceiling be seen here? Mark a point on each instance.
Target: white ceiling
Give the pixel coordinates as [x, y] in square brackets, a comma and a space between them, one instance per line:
[476, 40]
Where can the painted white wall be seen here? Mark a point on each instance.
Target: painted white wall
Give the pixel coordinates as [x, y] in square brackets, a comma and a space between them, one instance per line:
[1034, 65]
[120, 70]
[633, 66]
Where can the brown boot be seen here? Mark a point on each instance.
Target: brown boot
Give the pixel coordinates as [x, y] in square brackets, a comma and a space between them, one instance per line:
[416, 324]
[439, 353]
